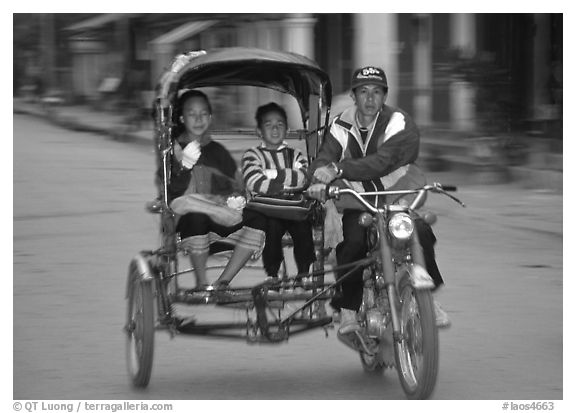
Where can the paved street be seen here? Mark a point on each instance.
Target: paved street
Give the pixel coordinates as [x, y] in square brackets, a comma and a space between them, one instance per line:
[79, 218]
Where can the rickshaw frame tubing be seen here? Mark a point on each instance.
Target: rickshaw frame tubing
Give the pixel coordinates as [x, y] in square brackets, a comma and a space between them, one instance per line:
[166, 318]
[211, 330]
[284, 323]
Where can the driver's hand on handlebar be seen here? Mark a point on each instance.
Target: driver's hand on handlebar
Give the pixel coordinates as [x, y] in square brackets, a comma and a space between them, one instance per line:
[326, 173]
[317, 191]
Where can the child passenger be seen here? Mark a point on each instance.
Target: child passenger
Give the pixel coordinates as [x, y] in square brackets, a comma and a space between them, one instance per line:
[269, 168]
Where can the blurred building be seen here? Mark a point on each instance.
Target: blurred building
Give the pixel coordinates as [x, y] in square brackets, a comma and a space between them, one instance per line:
[464, 72]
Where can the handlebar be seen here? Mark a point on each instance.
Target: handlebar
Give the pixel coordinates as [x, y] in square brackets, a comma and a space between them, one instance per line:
[334, 192]
[449, 188]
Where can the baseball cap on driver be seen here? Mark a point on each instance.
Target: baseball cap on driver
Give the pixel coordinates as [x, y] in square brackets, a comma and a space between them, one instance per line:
[369, 75]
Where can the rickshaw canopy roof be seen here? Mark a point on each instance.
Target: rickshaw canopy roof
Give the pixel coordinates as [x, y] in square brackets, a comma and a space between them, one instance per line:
[285, 72]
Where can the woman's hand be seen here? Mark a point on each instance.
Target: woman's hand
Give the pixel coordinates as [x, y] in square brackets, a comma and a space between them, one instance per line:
[236, 202]
[190, 154]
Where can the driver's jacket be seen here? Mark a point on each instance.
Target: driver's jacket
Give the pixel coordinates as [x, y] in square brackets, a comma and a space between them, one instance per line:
[384, 161]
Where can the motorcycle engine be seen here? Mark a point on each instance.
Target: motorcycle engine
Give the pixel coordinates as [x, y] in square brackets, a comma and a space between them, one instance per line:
[376, 323]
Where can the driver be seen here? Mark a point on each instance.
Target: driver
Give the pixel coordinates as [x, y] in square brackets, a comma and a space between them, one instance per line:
[370, 147]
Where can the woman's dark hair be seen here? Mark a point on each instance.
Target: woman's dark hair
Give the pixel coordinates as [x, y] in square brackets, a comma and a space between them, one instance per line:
[189, 94]
[192, 94]
[270, 107]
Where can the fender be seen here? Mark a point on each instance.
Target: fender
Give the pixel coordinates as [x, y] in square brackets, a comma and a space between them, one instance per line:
[419, 277]
[143, 270]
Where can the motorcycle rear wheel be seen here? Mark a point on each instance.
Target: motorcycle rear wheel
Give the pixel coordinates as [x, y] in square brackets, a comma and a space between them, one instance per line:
[416, 353]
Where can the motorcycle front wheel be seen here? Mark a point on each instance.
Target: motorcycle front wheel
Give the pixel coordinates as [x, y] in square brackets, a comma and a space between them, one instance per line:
[416, 352]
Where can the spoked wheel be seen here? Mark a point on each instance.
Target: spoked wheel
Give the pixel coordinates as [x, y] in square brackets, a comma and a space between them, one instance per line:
[139, 329]
[417, 352]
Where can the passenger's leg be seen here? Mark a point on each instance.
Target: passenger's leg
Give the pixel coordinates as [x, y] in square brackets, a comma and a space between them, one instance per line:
[199, 264]
[248, 245]
[351, 249]
[301, 233]
[273, 255]
[193, 229]
[240, 257]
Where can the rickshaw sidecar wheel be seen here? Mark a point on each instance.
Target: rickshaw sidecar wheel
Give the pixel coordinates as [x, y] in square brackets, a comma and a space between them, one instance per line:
[139, 328]
[417, 353]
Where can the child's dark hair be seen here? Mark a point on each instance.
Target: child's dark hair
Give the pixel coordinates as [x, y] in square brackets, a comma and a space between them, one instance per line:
[270, 107]
[192, 94]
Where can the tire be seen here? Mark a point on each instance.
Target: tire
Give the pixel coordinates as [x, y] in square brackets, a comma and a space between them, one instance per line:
[139, 329]
[417, 354]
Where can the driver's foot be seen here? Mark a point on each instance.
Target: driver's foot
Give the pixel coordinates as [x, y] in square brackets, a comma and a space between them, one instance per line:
[442, 319]
[348, 322]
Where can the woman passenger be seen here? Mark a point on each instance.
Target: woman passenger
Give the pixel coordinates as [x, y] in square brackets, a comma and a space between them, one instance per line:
[205, 189]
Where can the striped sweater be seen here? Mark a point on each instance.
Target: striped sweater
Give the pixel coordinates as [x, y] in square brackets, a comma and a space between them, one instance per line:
[268, 171]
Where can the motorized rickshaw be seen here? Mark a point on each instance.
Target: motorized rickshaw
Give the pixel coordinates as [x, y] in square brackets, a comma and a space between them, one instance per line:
[397, 316]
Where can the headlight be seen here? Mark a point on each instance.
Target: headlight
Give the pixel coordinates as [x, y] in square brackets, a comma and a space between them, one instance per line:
[401, 226]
